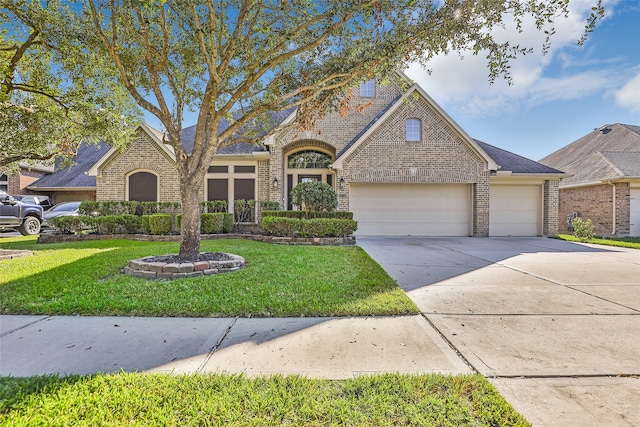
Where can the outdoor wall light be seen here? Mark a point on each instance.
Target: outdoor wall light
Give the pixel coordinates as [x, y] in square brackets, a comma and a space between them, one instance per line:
[275, 182]
[341, 182]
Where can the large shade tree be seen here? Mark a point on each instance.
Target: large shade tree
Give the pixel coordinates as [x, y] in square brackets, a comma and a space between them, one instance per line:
[239, 60]
[54, 94]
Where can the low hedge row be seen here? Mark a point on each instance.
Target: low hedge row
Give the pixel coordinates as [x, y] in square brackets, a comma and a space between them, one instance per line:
[156, 224]
[303, 214]
[213, 223]
[317, 227]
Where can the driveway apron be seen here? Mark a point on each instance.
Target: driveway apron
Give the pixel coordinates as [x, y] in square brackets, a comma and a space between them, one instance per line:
[554, 325]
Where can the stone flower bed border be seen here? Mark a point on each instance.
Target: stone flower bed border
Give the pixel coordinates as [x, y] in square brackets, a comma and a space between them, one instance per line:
[147, 268]
[301, 241]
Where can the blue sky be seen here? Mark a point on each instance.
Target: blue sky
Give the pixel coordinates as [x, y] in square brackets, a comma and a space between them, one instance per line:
[555, 99]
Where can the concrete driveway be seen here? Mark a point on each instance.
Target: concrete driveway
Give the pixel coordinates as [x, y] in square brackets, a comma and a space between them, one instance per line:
[555, 326]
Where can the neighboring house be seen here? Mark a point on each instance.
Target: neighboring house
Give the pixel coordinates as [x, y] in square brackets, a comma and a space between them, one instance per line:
[604, 185]
[72, 183]
[402, 166]
[17, 183]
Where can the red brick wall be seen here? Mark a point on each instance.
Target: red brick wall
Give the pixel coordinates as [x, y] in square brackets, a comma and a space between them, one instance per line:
[596, 203]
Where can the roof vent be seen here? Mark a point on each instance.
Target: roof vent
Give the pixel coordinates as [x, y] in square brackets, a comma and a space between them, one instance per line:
[605, 129]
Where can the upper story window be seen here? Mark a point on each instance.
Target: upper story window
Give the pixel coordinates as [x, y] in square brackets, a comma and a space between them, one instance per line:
[4, 182]
[368, 89]
[414, 130]
[309, 159]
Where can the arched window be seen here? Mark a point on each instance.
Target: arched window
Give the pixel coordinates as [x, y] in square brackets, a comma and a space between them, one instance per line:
[414, 130]
[4, 182]
[309, 159]
[143, 187]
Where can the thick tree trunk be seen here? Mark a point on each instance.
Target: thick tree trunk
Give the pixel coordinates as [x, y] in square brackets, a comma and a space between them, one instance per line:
[190, 229]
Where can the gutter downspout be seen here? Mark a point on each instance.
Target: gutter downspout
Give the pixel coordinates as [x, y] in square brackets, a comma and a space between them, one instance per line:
[613, 227]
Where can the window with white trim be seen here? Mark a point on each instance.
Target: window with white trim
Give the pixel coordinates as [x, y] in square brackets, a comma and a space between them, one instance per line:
[368, 89]
[414, 130]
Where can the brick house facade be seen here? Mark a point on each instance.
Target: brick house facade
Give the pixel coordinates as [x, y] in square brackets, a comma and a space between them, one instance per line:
[402, 165]
[604, 181]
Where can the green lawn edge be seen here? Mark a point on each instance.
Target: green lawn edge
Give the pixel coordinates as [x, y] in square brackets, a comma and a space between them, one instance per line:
[237, 400]
[85, 278]
[624, 242]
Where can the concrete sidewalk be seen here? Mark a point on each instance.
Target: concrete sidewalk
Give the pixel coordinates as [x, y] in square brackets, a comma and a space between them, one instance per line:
[334, 348]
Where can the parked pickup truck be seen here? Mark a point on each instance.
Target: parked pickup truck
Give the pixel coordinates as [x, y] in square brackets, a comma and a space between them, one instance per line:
[20, 216]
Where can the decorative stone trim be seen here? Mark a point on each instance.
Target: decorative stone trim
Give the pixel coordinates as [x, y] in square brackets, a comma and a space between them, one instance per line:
[149, 268]
[299, 241]
[10, 254]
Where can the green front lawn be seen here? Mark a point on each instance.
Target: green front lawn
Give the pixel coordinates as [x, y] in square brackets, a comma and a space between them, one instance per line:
[282, 281]
[623, 242]
[235, 400]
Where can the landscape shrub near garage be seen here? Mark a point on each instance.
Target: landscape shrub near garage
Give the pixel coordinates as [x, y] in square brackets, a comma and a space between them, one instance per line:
[302, 214]
[213, 223]
[317, 227]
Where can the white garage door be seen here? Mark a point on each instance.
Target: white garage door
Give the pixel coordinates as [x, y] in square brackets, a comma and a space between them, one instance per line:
[635, 212]
[514, 210]
[411, 209]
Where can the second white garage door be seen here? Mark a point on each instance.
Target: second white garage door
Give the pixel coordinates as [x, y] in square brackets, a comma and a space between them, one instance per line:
[411, 209]
[514, 210]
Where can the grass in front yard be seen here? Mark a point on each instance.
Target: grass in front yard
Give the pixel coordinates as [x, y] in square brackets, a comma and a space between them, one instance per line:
[282, 281]
[223, 400]
[623, 242]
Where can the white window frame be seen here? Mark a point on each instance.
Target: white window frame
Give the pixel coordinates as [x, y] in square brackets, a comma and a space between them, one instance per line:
[368, 89]
[413, 129]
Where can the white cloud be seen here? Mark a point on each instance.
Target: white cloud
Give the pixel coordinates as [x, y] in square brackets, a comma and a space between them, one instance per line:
[464, 85]
[628, 96]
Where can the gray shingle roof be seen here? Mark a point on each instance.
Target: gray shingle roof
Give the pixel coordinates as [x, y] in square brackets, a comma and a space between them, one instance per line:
[514, 163]
[75, 176]
[611, 151]
[188, 135]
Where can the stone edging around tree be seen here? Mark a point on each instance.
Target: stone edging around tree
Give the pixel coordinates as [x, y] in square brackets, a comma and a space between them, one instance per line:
[300, 241]
[150, 268]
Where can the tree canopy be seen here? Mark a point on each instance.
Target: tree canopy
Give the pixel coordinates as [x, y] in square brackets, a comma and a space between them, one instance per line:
[238, 60]
[54, 95]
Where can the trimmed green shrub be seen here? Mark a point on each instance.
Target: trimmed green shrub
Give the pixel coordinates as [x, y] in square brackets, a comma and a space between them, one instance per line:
[582, 230]
[314, 196]
[324, 227]
[282, 227]
[107, 224]
[268, 205]
[144, 222]
[213, 223]
[71, 224]
[317, 227]
[160, 224]
[301, 214]
[130, 224]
